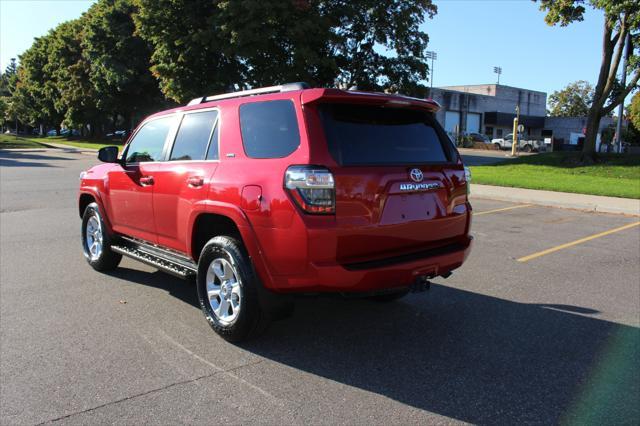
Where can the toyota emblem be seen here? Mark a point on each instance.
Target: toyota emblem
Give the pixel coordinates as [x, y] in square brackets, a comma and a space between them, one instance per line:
[416, 175]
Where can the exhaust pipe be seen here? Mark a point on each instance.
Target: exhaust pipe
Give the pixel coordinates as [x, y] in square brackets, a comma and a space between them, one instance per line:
[421, 284]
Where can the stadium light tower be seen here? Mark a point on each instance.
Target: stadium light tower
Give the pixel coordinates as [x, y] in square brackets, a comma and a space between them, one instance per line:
[433, 56]
[497, 70]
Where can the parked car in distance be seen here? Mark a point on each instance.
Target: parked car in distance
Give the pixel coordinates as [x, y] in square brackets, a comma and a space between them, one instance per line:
[525, 145]
[269, 192]
[121, 134]
[479, 137]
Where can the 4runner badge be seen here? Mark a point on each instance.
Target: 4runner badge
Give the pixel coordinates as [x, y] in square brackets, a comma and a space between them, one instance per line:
[419, 186]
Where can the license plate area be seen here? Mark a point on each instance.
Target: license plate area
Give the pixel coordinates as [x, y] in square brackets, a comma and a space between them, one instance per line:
[402, 208]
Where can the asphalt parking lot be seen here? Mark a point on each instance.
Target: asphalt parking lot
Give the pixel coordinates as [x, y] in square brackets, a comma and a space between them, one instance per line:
[519, 334]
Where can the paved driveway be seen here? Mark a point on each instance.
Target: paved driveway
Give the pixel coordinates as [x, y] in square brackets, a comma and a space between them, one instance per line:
[544, 340]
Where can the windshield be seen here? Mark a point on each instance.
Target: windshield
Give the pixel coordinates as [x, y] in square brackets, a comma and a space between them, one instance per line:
[376, 135]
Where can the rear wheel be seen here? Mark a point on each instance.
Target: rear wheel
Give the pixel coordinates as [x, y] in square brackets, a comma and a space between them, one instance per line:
[96, 242]
[497, 145]
[228, 290]
[527, 148]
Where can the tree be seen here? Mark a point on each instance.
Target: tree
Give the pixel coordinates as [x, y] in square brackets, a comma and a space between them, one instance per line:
[633, 114]
[277, 41]
[378, 45]
[634, 111]
[35, 91]
[621, 18]
[8, 78]
[189, 58]
[118, 61]
[202, 47]
[572, 101]
[70, 73]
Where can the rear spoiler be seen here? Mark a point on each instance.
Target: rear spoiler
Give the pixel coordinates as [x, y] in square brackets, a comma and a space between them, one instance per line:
[351, 96]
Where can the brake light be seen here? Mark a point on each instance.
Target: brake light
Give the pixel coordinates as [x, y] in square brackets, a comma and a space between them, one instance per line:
[312, 188]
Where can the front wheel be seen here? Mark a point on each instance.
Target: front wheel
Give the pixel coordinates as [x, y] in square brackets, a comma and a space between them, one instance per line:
[228, 290]
[96, 242]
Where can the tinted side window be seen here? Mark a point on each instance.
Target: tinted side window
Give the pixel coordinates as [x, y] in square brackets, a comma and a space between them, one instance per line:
[148, 143]
[269, 129]
[193, 136]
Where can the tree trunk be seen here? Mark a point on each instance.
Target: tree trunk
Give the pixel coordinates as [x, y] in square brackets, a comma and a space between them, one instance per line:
[593, 124]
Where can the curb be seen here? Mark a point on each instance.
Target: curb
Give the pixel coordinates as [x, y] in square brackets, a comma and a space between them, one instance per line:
[593, 203]
[69, 148]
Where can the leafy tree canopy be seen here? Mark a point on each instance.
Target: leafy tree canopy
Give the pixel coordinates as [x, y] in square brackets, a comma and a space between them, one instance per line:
[118, 59]
[621, 22]
[572, 101]
[209, 46]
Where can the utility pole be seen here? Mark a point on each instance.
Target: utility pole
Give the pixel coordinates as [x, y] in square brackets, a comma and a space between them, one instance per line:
[623, 81]
[515, 131]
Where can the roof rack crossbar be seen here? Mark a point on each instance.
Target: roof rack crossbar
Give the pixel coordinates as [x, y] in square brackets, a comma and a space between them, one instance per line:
[252, 92]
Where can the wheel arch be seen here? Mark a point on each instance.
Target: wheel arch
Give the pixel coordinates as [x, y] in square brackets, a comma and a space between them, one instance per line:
[87, 197]
[226, 220]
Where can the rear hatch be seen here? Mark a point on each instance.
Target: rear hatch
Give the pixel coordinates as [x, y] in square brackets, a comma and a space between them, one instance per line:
[399, 183]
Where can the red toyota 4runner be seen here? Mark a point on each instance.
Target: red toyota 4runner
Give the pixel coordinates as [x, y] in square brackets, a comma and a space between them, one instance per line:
[268, 192]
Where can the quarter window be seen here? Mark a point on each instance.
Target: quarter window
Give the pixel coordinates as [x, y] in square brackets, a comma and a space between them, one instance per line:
[269, 129]
[194, 135]
[148, 143]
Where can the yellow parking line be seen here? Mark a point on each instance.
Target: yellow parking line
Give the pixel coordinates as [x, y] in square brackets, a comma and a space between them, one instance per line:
[576, 242]
[519, 206]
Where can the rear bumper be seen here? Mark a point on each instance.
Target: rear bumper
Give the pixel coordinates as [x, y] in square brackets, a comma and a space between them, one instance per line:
[372, 276]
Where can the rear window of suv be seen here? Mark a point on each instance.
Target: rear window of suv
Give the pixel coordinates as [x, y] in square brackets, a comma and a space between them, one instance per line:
[375, 135]
[269, 129]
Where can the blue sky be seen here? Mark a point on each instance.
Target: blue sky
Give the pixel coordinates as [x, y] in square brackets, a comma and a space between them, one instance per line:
[470, 37]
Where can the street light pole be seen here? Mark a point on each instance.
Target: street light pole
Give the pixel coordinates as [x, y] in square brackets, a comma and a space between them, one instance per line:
[498, 70]
[433, 56]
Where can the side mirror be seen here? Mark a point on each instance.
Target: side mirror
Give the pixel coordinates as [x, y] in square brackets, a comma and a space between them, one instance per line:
[108, 154]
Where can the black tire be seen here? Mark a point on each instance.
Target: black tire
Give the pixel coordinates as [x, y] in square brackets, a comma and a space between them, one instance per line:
[527, 148]
[390, 297]
[106, 260]
[251, 319]
[498, 146]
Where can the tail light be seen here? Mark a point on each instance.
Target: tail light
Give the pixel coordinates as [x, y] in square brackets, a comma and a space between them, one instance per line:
[312, 188]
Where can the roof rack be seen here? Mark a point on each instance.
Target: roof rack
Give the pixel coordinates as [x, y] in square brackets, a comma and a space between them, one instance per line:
[287, 87]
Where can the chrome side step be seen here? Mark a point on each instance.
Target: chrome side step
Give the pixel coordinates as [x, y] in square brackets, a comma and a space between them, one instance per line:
[165, 260]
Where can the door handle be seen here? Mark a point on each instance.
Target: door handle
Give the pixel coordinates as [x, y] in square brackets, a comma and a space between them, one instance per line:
[146, 180]
[195, 181]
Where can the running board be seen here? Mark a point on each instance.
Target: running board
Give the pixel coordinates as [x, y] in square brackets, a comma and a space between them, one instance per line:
[165, 260]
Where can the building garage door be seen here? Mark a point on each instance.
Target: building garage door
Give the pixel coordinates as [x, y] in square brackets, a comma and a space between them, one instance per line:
[451, 120]
[473, 122]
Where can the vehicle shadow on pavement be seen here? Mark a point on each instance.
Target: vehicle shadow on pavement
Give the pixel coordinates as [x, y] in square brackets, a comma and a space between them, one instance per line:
[468, 356]
[459, 354]
[184, 290]
[22, 159]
